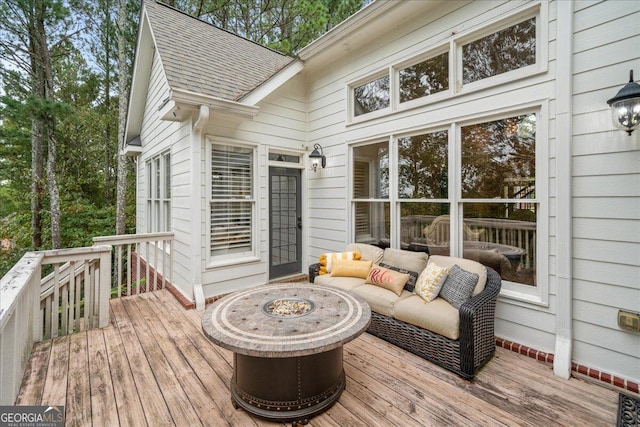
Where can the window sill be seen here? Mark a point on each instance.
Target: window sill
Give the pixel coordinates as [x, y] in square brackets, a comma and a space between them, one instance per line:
[212, 265]
[524, 299]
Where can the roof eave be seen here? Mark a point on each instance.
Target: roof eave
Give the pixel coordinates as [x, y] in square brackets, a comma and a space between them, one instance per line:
[143, 61]
[182, 103]
[345, 28]
[273, 83]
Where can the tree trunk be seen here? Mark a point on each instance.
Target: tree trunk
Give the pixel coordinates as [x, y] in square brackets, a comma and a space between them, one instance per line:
[43, 62]
[37, 178]
[123, 71]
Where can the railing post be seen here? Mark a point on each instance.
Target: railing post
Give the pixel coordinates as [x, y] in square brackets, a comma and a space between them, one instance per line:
[104, 288]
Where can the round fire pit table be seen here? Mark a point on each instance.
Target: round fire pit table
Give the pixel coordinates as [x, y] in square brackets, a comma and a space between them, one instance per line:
[287, 342]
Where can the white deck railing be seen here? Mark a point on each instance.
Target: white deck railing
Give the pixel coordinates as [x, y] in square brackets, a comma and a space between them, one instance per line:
[75, 295]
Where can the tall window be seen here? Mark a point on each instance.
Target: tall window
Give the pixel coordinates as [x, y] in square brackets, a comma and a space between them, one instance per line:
[232, 201]
[159, 193]
[371, 193]
[490, 195]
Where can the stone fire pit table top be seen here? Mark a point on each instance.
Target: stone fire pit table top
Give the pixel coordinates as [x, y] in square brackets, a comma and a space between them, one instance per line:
[239, 322]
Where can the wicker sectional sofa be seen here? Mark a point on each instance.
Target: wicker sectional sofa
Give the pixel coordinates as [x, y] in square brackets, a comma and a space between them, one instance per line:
[460, 340]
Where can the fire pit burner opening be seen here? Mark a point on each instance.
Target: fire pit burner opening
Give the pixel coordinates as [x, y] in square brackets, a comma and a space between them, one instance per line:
[288, 307]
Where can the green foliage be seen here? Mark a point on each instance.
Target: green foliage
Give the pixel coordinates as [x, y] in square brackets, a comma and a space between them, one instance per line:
[284, 25]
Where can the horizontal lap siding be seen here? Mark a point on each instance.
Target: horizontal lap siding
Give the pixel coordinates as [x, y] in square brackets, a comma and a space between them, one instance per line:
[281, 123]
[528, 324]
[158, 136]
[150, 136]
[606, 189]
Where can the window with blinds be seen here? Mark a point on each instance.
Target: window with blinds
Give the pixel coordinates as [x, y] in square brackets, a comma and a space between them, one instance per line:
[232, 200]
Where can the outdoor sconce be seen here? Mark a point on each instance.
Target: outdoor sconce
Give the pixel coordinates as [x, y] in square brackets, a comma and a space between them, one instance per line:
[625, 106]
[317, 157]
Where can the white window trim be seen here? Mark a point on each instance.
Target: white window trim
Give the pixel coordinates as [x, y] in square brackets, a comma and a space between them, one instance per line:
[351, 86]
[216, 261]
[157, 221]
[539, 11]
[454, 45]
[519, 293]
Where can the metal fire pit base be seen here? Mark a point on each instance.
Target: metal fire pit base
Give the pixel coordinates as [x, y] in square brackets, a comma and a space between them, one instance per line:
[289, 389]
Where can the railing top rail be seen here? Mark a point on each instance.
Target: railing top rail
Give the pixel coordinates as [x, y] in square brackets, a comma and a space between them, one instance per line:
[124, 239]
[15, 282]
[74, 254]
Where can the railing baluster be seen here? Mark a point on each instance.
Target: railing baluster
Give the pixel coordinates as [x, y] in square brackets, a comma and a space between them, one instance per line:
[147, 268]
[129, 269]
[155, 262]
[56, 298]
[72, 291]
[138, 275]
[119, 269]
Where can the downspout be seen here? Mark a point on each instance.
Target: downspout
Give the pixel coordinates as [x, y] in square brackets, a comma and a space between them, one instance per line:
[196, 208]
[564, 138]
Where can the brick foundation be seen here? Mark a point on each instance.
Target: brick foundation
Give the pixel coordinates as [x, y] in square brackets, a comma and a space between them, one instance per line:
[575, 367]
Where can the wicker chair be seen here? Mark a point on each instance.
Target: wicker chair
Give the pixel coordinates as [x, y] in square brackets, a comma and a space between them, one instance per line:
[464, 356]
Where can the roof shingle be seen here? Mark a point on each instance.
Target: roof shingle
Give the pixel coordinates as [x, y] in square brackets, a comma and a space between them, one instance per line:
[207, 60]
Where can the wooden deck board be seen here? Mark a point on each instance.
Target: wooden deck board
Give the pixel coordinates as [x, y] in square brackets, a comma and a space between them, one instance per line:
[153, 366]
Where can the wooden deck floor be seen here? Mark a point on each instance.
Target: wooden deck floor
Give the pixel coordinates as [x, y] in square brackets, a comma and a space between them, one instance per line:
[153, 366]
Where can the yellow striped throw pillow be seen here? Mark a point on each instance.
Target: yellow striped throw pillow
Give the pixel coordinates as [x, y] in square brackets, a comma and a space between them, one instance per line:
[326, 260]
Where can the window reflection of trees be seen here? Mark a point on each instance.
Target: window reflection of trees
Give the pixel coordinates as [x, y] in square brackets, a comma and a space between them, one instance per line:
[494, 153]
[500, 52]
[422, 163]
[425, 78]
[371, 96]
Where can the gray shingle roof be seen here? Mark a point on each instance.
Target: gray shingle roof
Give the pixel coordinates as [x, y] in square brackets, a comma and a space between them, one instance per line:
[204, 59]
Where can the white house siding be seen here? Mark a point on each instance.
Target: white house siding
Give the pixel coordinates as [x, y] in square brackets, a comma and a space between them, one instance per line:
[157, 136]
[529, 324]
[606, 189]
[280, 123]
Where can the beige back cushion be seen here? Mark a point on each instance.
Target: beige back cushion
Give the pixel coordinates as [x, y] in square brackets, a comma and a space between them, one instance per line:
[465, 264]
[407, 260]
[367, 252]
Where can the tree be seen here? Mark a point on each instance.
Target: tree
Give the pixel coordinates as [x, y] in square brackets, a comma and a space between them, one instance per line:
[283, 25]
[34, 32]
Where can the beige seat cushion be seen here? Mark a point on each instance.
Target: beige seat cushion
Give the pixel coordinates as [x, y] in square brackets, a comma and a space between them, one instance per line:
[437, 316]
[367, 252]
[408, 260]
[380, 300]
[346, 283]
[465, 264]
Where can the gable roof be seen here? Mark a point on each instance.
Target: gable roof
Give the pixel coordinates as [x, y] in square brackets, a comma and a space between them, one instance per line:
[203, 65]
[201, 58]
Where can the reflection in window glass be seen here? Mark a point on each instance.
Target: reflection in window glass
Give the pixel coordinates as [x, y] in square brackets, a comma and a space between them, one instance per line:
[500, 52]
[372, 223]
[498, 158]
[279, 157]
[425, 78]
[371, 171]
[371, 96]
[502, 236]
[425, 227]
[423, 166]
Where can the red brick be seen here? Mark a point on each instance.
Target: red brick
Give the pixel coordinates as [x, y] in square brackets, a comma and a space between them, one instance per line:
[583, 370]
[631, 386]
[618, 382]
[606, 378]
[594, 373]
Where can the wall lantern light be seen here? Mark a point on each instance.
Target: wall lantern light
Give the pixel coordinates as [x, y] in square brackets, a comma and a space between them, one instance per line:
[317, 157]
[625, 106]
